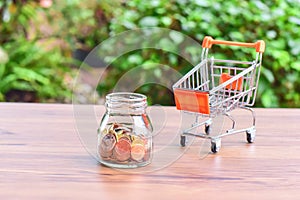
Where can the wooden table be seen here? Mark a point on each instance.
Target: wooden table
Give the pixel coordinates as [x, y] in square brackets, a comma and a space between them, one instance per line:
[42, 157]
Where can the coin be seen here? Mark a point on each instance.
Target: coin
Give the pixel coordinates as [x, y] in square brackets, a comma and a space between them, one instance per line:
[123, 136]
[122, 149]
[105, 131]
[137, 140]
[137, 152]
[107, 145]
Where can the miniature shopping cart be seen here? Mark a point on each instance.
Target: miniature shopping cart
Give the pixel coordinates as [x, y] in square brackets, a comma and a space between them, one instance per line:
[217, 87]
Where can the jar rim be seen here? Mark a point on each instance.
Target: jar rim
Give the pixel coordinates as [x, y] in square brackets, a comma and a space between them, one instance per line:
[128, 96]
[125, 102]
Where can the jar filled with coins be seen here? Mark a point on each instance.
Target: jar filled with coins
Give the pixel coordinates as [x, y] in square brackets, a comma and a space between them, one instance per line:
[125, 132]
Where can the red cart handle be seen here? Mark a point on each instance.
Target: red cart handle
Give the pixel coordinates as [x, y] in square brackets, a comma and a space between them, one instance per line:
[209, 41]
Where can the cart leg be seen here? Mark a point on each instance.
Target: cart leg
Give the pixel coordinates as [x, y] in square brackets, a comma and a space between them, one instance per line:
[215, 145]
[232, 119]
[252, 113]
[182, 140]
[207, 126]
[250, 134]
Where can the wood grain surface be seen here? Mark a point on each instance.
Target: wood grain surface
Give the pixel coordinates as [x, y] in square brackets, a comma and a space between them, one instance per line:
[45, 154]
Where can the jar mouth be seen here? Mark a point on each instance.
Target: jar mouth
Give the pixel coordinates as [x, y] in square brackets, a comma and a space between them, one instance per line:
[126, 100]
[126, 96]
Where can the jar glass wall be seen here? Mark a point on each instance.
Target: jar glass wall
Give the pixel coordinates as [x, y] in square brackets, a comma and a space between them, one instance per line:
[125, 132]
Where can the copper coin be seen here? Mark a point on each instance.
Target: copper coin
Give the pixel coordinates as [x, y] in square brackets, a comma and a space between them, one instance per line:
[123, 137]
[122, 149]
[107, 145]
[137, 152]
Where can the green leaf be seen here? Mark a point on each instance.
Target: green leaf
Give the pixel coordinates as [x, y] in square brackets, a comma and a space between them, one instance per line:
[166, 21]
[295, 46]
[202, 3]
[167, 45]
[2, 70]
[173, 59]
[2, 96]
[268, 74]
[22, 85]
[149, 21]
[135, 59]
[3, 56]
[149, 65]
[5, 83]
[157, 72]
[269, 99]
[296, 65]
[271, 34]
[278, 44]
[30, 75]
[177, 37]
[236, 36]
[283, 57]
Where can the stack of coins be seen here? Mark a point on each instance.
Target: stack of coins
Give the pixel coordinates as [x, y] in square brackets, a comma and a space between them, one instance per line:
[118, 144]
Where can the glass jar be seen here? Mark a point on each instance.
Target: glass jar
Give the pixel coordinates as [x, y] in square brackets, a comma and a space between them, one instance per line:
[125, 132]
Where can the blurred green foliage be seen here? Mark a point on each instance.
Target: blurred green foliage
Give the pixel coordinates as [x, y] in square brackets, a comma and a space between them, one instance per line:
[34, 70]
[31, 69]
[37, 42]
[26, 65]
[275, 22]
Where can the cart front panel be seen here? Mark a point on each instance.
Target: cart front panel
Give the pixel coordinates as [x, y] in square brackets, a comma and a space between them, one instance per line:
[193, 101]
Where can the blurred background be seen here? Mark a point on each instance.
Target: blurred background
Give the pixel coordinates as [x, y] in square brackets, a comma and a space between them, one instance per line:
[43, 43]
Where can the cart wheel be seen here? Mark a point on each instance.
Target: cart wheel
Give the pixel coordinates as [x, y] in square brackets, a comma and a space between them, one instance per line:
[215, 145]
[182, 140]
[207, 129]
[250, 136]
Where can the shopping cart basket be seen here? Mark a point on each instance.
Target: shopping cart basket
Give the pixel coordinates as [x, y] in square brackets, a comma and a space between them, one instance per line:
[217, 87]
